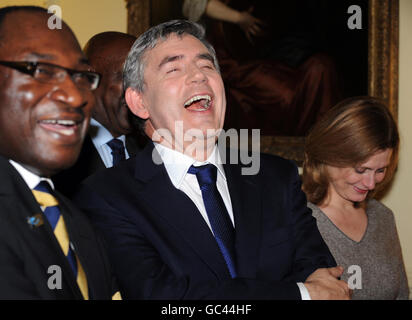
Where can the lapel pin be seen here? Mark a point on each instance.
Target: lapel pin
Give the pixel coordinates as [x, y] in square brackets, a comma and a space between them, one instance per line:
[35, 221]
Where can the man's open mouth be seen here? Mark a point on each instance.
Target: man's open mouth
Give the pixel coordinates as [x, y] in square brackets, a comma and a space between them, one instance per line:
[199, 103]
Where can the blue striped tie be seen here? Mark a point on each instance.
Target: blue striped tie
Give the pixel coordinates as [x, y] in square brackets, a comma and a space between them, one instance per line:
[219, 219]
[44, 196]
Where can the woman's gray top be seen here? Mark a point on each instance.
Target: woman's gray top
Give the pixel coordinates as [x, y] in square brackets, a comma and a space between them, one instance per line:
[373, 266]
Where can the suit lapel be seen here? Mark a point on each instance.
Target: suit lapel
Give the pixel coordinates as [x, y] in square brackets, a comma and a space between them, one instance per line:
[21, 203]
[178, 211]
[131, 145]
[246, 204]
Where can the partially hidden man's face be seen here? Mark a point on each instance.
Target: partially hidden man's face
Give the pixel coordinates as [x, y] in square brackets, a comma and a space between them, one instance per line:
[112, 111]
[42, 125]
[181, 88]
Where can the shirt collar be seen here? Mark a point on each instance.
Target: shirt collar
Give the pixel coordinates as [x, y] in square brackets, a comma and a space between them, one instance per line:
[100, 135]
[29, 177]
[177, 164]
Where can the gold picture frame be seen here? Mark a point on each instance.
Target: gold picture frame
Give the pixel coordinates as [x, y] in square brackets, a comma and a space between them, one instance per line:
[383, 44]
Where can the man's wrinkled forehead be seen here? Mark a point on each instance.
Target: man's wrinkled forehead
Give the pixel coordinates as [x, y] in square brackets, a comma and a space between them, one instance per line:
[165, 40]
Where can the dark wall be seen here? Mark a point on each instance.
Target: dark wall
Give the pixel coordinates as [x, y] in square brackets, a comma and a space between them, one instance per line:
[325, 19]
[163, 10]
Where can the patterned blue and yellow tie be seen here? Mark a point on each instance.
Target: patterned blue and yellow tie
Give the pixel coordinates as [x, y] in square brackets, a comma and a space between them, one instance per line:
[44, 196]
[219, 219]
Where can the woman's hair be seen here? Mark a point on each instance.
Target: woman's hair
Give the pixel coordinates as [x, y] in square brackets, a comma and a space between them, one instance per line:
[346, 136]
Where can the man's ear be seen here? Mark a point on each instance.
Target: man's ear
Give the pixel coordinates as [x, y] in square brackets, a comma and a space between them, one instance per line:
[134, 100]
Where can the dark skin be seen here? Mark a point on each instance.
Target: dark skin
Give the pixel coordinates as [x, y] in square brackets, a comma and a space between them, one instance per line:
[26, 138]
[107, 53]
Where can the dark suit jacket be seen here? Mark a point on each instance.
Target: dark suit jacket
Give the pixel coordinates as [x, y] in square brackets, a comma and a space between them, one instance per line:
[27, 252]
[161, 247]
[89, 162]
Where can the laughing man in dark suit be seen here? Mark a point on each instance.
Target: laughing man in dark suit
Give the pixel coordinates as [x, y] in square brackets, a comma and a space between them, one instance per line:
[192, 227]
[45, 104]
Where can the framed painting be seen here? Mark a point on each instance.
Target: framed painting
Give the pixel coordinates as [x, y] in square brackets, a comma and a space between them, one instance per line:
[363, 61]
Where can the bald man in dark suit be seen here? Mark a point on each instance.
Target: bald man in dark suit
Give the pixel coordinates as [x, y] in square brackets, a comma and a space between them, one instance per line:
[110, 124]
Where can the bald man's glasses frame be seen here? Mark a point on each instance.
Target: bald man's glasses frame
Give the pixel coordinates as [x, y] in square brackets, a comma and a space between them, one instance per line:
[51, 73]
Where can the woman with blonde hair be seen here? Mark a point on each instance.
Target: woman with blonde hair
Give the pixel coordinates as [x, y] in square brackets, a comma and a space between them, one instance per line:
[351, 155]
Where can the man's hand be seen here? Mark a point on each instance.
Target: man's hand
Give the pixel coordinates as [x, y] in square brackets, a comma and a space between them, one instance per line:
[323, 284]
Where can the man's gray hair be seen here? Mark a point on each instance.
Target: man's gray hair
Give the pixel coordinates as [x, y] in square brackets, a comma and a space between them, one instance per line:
[133, 71]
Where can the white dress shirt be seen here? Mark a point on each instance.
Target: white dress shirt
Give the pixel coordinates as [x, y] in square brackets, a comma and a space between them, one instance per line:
[29, 177]
[100, 137]
[177, 164]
